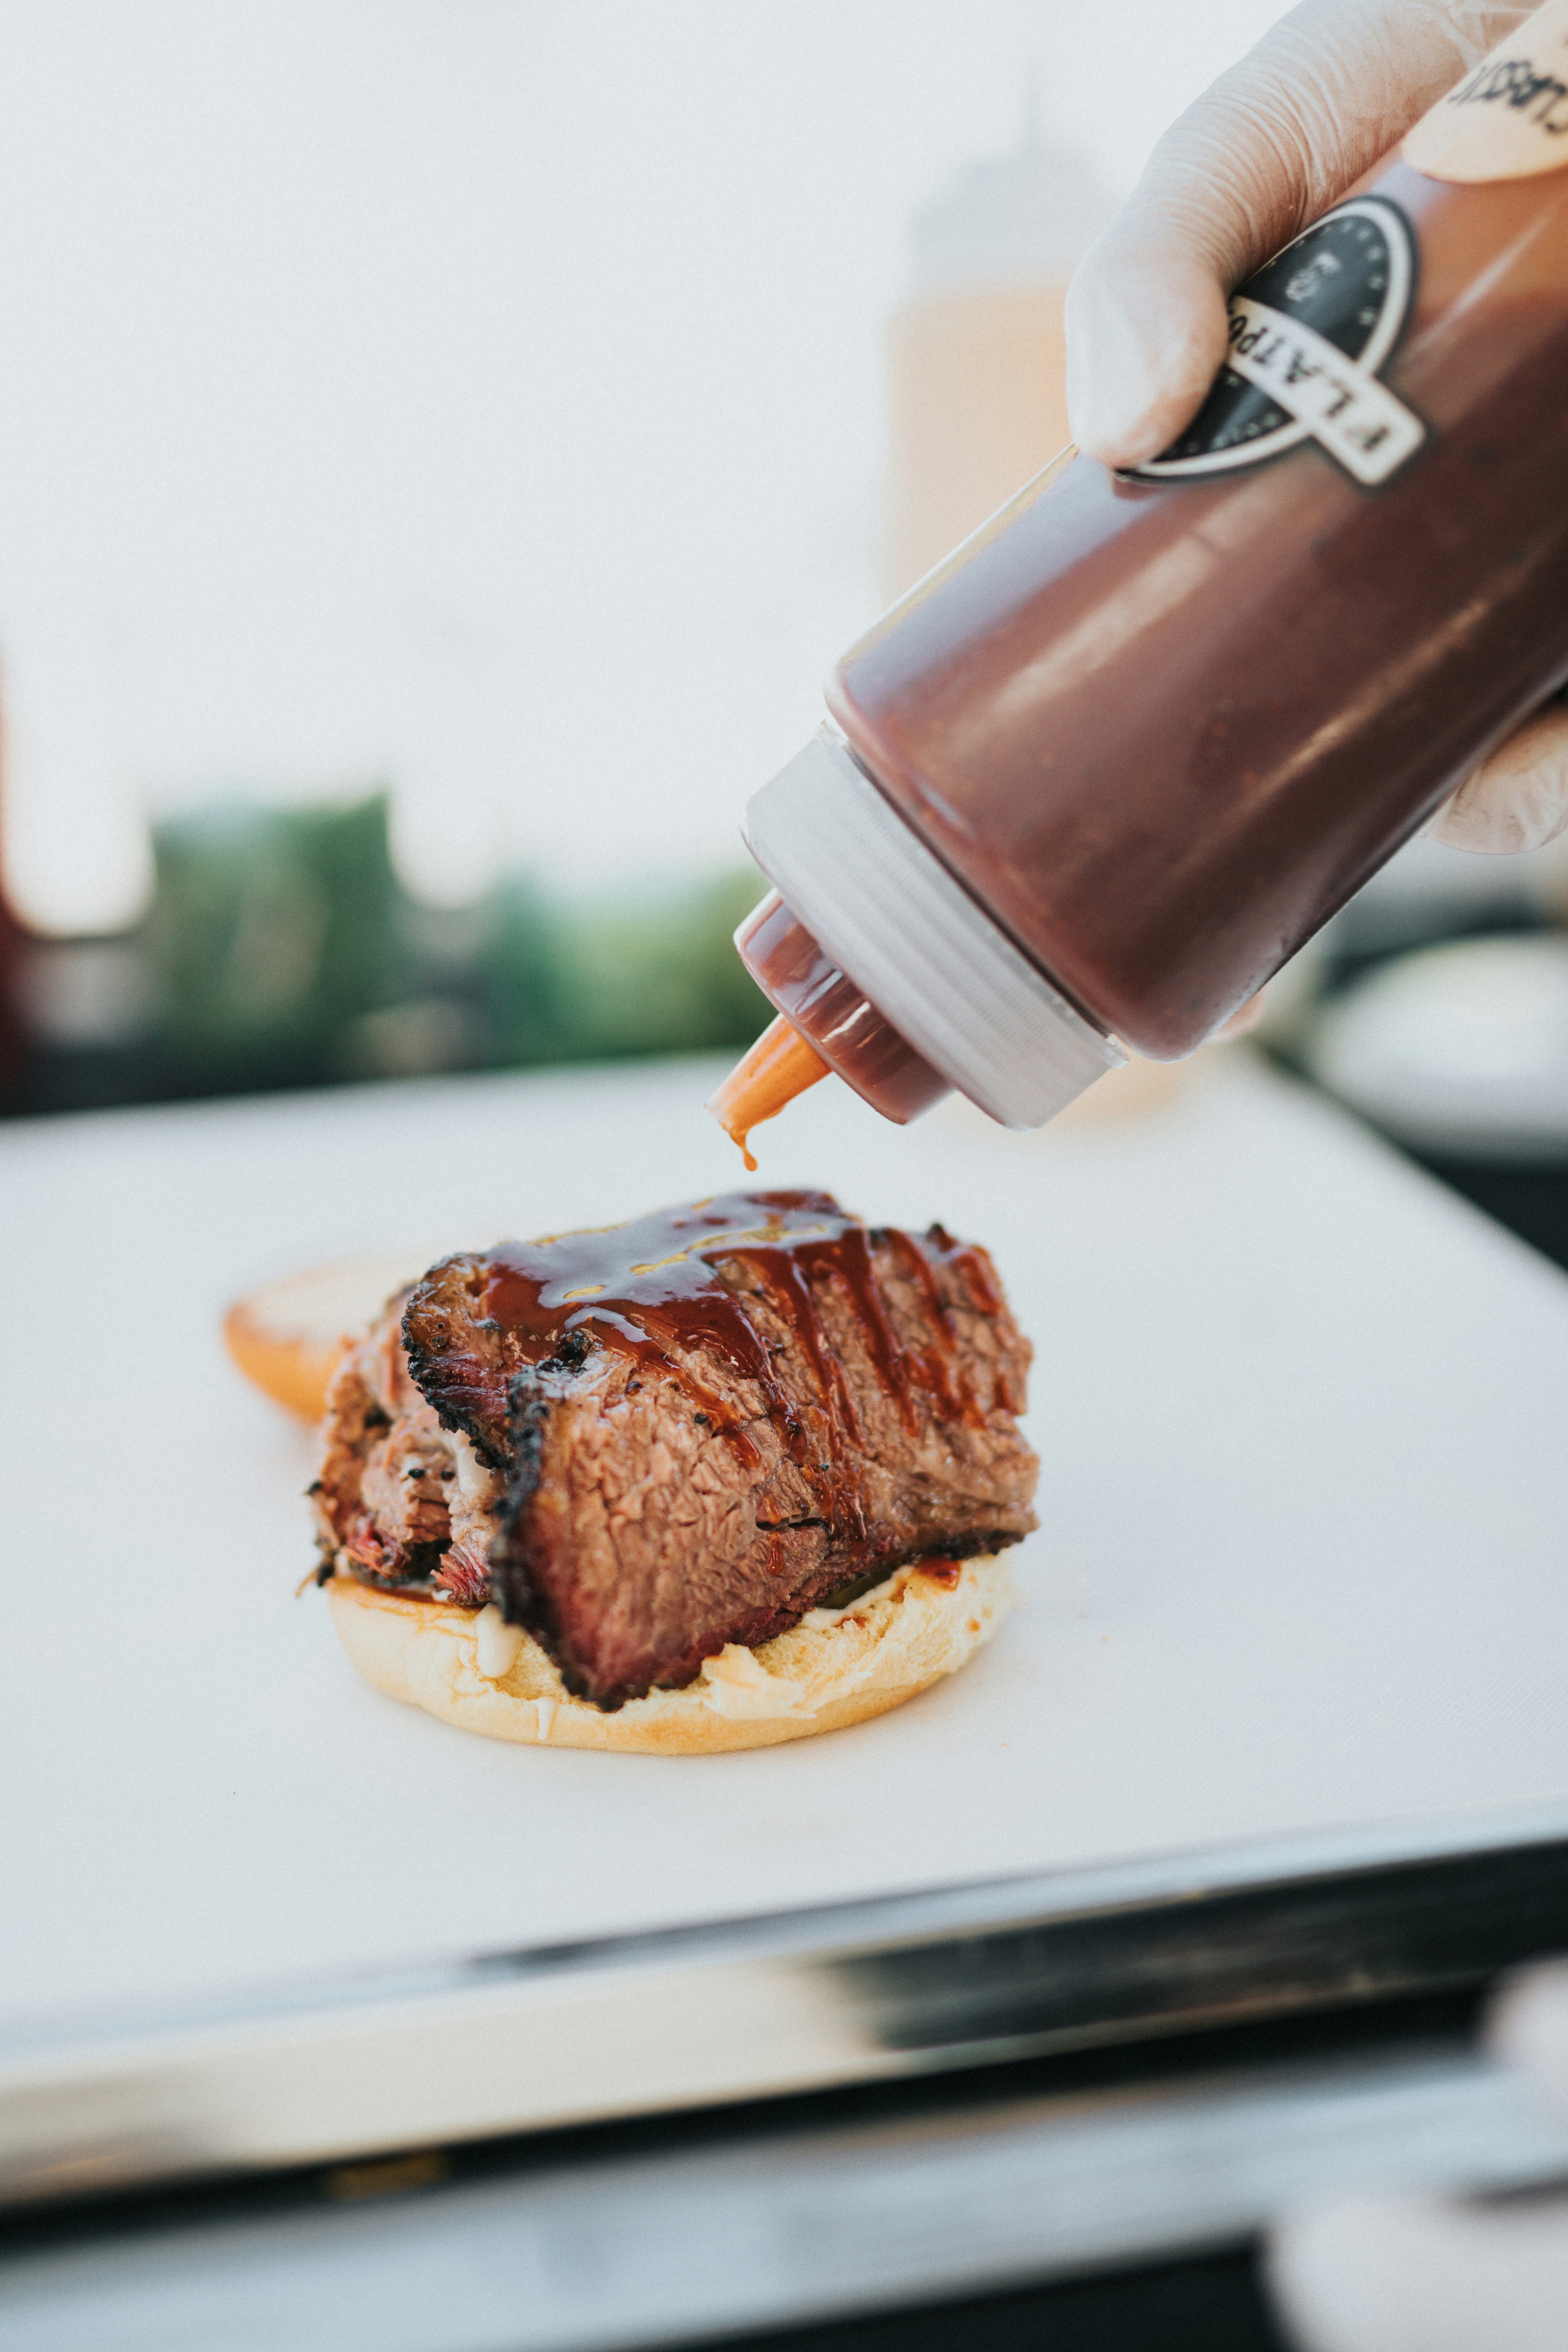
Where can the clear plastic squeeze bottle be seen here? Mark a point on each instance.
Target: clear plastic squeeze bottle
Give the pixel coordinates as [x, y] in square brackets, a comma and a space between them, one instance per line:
[1098, 776]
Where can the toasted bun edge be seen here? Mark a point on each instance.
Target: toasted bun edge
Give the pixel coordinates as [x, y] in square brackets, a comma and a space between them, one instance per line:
[288, 1336]
[879, 1653]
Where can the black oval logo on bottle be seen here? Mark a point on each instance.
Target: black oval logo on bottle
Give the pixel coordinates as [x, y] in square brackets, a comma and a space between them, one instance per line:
[1348, 281]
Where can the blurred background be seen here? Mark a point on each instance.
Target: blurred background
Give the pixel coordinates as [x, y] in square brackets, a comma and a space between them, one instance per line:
[442, 448]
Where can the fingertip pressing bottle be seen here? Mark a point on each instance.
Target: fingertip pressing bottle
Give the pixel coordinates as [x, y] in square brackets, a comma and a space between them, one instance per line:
[1102, 772]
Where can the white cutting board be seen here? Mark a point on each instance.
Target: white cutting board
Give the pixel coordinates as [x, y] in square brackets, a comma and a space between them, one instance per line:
[1303, 1560]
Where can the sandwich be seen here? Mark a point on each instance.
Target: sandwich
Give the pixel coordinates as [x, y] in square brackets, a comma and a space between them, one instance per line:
[732, 1473]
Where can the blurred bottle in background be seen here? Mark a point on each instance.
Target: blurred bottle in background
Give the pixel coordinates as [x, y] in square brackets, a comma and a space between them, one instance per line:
[977, 357]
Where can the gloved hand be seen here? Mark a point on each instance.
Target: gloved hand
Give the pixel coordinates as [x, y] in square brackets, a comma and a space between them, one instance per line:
[1277, 142]
[1418, 2276]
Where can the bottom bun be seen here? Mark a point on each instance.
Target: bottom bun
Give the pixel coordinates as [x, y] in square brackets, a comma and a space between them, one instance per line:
[289, 1337]
[820, 1676]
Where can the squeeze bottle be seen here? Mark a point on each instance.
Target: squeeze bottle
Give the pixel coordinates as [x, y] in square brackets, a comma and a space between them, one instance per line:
[1102, 772]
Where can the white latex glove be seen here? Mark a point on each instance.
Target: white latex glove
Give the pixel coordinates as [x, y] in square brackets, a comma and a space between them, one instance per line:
[1276, 142]
[1413, 2275]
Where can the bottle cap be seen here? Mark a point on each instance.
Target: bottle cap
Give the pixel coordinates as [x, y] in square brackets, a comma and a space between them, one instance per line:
[927, 955]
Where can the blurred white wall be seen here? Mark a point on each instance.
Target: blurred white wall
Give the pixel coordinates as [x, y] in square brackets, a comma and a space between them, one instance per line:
[483, 394]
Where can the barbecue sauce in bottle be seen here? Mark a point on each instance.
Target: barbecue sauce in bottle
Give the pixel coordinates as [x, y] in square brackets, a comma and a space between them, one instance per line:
[1102, 772]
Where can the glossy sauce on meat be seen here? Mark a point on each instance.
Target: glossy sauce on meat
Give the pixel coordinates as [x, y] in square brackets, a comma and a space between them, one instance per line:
[654, 1290]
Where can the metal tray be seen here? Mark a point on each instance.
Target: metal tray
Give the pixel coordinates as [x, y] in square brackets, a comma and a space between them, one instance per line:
[522, 2041]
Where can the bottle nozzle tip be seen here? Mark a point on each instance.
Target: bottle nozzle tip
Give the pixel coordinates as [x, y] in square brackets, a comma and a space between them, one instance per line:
[767, 1077]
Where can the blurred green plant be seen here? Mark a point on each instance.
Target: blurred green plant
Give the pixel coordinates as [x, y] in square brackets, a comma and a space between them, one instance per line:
[273, 932]
[648, 973]
[516, 963]
[282, 950]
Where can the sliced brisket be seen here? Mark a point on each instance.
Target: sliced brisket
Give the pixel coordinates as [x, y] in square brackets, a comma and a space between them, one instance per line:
[700, 1426]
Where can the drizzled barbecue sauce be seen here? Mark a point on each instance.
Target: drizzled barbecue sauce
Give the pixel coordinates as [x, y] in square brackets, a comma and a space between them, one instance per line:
[653, 1291]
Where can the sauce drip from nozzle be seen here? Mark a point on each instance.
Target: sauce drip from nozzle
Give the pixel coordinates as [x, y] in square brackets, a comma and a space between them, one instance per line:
[764, 1081]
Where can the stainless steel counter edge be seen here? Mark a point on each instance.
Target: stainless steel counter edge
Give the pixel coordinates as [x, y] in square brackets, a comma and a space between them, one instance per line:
[772, 2231]
[692, 2016]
